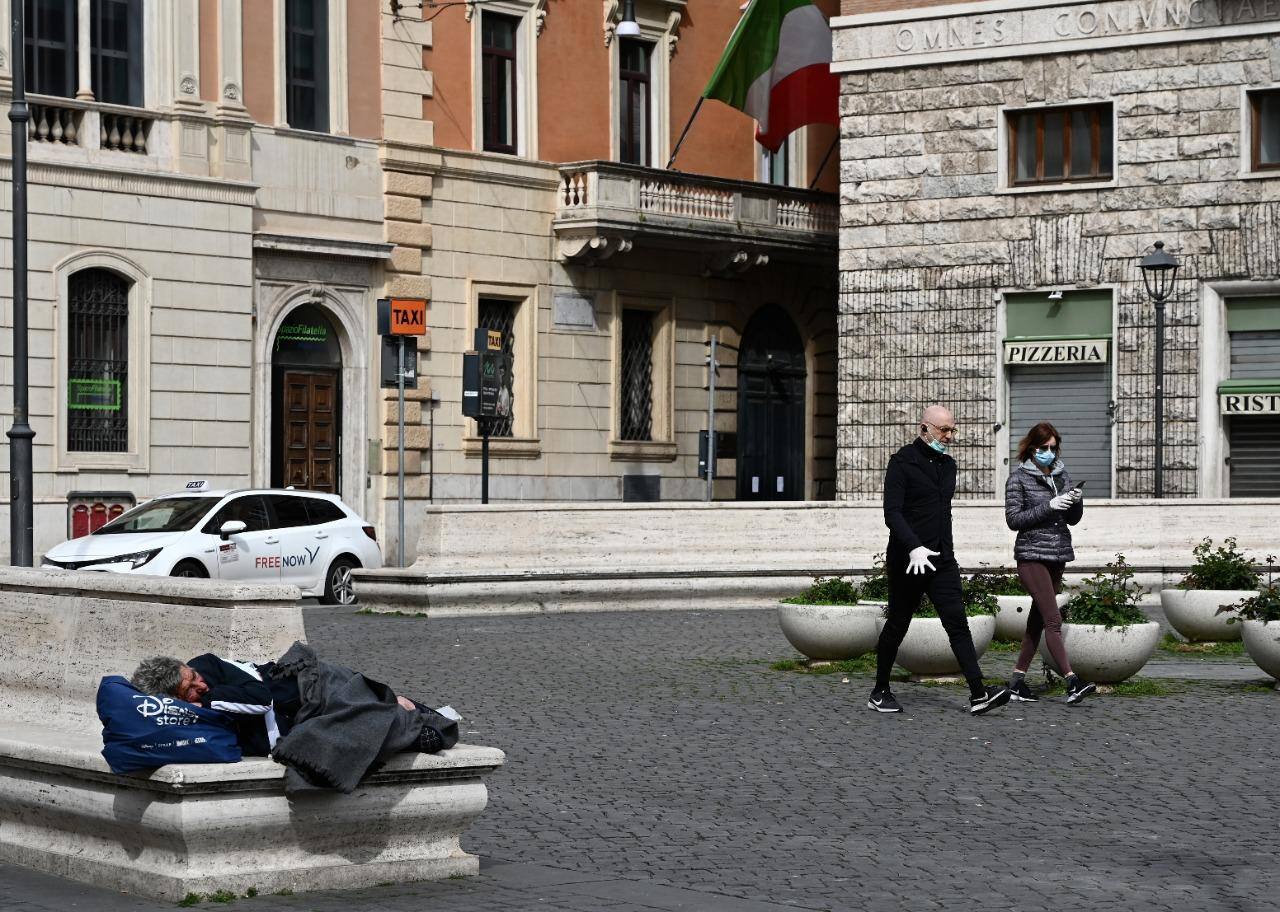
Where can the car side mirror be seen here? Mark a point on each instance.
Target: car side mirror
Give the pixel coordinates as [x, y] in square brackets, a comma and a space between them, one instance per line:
[231, 527]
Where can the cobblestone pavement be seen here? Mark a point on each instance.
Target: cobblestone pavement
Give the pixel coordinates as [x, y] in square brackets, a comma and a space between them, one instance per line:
[655, 762]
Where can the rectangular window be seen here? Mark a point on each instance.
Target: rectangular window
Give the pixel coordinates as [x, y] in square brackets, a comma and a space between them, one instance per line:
[1060, 145]
[498, 75]
[775, 166]
[634, 101]
[51, 47]
[116, 51]
[499, 314]
[636, 395]
[1265, 128]
[307, 64]
[97, 362]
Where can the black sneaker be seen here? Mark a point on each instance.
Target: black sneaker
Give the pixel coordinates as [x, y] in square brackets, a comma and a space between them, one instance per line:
[883, 702]
[1078, 690]
[994, 697]
[1021, 693]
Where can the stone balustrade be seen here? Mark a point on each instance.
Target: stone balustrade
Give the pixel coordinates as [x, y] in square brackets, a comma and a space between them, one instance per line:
[67, 122]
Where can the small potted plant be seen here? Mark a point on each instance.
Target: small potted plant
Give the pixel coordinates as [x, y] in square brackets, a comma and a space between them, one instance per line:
[1257, 616]
[1108, 636]
[826, 622]
[926, 649]
[1220, 577]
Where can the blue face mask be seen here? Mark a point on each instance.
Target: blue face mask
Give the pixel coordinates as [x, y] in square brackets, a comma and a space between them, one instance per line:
[938, 446]
[1046, 458]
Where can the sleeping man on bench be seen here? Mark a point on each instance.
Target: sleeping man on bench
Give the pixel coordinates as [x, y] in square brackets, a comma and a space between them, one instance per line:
[330, 725]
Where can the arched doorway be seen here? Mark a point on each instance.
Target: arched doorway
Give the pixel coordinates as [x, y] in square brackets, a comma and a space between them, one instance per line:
[771, 379]
[306, 402]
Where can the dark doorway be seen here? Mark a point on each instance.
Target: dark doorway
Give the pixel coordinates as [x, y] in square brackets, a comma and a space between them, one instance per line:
[771, 378]
[306, 403]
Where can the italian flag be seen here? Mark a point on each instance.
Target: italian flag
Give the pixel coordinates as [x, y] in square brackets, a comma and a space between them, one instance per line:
[777, 68]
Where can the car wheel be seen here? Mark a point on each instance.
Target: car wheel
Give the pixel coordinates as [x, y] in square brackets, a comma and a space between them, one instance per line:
[190, 569]
[338, 588]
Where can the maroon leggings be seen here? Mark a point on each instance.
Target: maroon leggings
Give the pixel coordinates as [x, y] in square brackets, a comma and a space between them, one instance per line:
[1043, 580]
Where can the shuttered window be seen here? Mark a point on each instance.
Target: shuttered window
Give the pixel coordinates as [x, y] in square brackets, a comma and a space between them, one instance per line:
[1254, 439]
[1075, 400]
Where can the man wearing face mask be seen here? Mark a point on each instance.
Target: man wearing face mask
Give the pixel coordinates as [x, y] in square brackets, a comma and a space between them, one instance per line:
[920, 559]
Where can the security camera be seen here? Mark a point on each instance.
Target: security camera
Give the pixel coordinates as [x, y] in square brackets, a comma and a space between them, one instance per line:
[1055, 296]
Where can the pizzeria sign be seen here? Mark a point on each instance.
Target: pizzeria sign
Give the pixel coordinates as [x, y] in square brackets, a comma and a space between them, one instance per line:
[1074, 351]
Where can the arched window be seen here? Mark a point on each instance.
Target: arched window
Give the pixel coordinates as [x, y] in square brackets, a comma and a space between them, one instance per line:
[97, 362]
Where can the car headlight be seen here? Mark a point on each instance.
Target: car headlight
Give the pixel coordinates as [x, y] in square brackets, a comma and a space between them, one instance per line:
[137, 558]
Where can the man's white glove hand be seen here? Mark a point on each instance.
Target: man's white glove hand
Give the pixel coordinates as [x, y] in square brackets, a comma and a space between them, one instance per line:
[919, 560]
[1063, 501]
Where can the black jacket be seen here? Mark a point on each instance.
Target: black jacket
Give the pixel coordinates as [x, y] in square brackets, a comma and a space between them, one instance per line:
[918, 487]
[249, 700]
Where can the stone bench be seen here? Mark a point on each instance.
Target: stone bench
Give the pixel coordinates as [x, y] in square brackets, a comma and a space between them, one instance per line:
[520, 558]
[193, 828]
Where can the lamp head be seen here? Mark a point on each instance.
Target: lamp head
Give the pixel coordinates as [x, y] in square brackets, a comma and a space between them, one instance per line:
[1159, 271]
[628, 28]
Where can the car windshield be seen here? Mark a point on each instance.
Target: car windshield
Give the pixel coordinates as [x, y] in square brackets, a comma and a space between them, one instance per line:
[169, 514]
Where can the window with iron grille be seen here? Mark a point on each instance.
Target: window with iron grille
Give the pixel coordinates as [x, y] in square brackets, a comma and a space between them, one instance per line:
[499, 315]
[116, 51]
[1264, 111]
[636, 394]
[51, 47]
[498, 72]
[97, 362]
[1060, 145]
[307, 64]
[633, 100]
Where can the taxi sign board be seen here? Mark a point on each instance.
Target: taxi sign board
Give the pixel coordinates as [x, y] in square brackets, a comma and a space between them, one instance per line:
[494, 340]
[408, 317]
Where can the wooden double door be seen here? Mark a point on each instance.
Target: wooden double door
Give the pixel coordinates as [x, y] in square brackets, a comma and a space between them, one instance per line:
[309, 431]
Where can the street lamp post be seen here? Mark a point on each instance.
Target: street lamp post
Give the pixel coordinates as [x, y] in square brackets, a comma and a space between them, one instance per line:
[21, 509]
[1159, 272]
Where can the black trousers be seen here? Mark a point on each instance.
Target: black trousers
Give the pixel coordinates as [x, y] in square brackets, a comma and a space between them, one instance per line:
[943, 588]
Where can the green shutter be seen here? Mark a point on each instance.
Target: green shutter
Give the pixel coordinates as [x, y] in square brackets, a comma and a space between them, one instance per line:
[1253, 314]
[1079, 315]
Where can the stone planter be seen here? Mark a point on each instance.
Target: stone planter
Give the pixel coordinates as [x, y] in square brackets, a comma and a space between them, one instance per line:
[1011, 619]
[926, 650]
[1194, 612]
[829, 632]
[1262, 642]
[1106, 656]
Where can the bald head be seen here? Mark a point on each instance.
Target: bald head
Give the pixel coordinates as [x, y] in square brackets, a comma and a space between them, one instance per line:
[937, 423]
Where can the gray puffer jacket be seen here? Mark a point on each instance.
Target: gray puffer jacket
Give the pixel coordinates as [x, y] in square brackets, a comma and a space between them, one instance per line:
[1043, 532]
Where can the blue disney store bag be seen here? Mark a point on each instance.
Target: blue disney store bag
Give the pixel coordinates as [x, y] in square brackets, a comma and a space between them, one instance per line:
[141, 731]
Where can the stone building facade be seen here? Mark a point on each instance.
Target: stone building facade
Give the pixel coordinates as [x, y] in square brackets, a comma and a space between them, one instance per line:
[608, 273]
[197, 223]
[964, 208]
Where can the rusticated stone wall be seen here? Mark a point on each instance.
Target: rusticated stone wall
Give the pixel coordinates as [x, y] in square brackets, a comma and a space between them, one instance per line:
[929, 241]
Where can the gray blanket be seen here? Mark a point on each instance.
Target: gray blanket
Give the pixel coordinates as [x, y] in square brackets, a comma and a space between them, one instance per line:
[347, 726]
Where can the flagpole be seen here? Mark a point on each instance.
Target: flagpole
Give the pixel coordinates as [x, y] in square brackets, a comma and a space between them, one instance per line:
[685, 132]
[826, 158]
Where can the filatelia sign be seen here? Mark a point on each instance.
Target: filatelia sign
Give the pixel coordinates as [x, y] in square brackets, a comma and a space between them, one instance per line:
[1250, 403]
[1076, 351]
[1018, 28]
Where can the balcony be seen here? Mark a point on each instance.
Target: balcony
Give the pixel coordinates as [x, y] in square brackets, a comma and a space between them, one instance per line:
[67, 122]
[605, 208]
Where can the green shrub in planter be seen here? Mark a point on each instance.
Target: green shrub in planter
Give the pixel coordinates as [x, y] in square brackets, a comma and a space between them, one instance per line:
[833, 590]
[999, 582]
[1220, 568]
[1109, 598]
[1265, 606]
[875, 585]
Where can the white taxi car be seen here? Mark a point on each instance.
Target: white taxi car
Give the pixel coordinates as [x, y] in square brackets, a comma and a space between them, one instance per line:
[309, 539]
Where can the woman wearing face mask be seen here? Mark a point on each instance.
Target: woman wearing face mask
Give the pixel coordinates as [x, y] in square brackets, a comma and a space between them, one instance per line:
[1041, 504]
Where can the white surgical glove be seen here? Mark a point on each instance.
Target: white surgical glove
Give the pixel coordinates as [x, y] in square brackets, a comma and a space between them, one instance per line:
[919, 560]
[1063, 501]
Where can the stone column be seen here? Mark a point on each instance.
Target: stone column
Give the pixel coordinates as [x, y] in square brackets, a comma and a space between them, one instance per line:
[6, 52]
[84, 51]
[186, 55]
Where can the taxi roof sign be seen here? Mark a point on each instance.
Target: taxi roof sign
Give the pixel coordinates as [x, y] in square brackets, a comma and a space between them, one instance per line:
[198, 485]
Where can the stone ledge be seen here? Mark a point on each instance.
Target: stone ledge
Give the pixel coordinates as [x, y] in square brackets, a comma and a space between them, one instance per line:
[140, 588]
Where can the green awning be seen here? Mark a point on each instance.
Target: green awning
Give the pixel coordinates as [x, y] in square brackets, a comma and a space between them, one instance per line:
[1262, 387]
